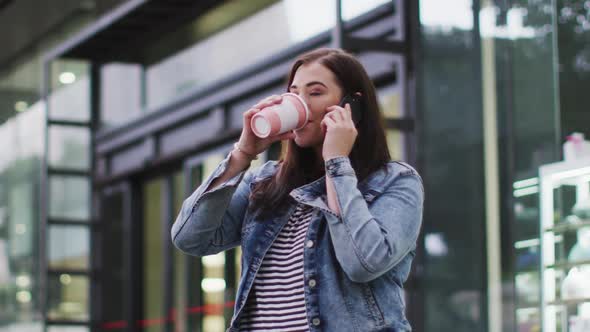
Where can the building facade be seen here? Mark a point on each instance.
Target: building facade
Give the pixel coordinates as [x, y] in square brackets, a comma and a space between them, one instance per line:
[115, 111]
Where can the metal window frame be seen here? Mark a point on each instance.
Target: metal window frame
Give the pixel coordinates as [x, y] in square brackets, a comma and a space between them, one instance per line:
[46, 221]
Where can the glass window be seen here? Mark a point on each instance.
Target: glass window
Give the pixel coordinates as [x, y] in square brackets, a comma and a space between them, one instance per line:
[213, 287]
[153, 256]
[68, 247]
[112, 257]
[29, 326]
[390, 100]
[573, 37]
[194, 268]
[65, 328]
[67, 297]
[121, 93]
[238, 263]
[22, 125]
[453, 170]
[204, 52]
[69, 197]
[213, 283]
[519, 86]
[19, 89]
[269, 30]
[20, 162]
[70, 90]
[69, 147]
[180, 260]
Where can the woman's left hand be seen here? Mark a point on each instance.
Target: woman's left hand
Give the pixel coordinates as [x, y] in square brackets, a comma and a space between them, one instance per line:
[340, 132]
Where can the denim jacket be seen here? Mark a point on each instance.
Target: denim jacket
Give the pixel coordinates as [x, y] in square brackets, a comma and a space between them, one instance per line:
[355, 264]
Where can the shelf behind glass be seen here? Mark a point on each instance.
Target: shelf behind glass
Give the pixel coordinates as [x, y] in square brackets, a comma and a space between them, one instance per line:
[569, 302]
[566, 227]
[567, 265]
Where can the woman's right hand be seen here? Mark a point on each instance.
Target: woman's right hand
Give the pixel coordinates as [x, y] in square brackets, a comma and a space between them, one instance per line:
[251, 144]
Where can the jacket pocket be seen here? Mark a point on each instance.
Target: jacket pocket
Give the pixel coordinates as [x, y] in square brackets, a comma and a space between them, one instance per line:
[372, 305]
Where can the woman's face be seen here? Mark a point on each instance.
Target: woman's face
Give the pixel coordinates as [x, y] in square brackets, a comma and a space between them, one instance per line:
[318, 86]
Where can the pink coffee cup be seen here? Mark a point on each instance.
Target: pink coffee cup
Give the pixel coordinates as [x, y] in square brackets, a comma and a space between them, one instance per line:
[292, 113]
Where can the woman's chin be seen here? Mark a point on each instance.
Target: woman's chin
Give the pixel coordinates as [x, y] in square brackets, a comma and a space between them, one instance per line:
[300, 141]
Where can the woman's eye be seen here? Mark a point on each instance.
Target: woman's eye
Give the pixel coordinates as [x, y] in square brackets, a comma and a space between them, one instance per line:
[315, 93]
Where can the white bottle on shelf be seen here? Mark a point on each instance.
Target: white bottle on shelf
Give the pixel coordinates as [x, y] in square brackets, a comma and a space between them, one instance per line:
[575, 147]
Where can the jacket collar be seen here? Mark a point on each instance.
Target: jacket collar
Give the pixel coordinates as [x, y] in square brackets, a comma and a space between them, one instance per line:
[315, 191]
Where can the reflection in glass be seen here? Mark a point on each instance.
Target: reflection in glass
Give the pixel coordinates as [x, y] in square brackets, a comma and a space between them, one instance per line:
[573, 34]
[70, 91]
[24, 134]
[213, 282]
[213, 286]
[453, 167]
[65, 328]
[153, 255]
[22, 227]
[68, 297]
[69, 197]
[527, 288]
[194, 298]
[180, 282]
[211, 164]
[238, 263]
[446, 16]
[528, 319]
[396, 144]
[435, 245]
[19, 87]
[390, 103]
[270, 30]
[121, 98]
[21, 135]
[69, 147]
[68, 247]
[113, 277]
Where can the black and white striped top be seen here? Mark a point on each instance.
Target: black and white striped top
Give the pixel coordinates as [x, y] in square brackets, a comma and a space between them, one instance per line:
[276, 301]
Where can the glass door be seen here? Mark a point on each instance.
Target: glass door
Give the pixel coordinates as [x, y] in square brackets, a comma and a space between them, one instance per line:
[207, 300]
[153, 317]
[111, 292]
[211, 280]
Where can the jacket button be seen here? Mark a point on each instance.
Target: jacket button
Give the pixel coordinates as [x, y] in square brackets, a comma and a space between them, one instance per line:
[315, 321]
[309, 243]
[312, 283]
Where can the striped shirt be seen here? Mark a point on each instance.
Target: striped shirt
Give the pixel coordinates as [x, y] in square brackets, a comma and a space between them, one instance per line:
[277, 301]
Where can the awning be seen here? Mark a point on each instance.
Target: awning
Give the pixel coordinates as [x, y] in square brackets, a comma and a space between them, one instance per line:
[120, 34]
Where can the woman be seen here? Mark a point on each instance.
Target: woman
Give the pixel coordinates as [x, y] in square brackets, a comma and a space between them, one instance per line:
[328, 232]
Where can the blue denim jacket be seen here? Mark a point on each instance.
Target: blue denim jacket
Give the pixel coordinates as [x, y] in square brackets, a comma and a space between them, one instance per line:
[354, 264]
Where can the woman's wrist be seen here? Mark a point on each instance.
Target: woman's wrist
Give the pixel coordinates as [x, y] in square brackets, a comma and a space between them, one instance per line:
[248, 155]
[239, 161]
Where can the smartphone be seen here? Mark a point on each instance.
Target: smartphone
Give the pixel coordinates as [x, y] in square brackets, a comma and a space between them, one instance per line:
[355, 106]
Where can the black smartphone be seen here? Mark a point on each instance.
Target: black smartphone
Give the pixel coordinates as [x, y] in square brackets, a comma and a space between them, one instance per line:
[355, 106]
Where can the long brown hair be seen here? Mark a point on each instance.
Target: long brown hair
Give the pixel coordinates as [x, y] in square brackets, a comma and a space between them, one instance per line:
[299, 166]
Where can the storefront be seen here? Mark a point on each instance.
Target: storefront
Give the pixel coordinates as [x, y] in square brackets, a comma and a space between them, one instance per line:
[142, 104]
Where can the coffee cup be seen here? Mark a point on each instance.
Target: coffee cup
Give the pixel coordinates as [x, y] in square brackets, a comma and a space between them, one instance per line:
[291, 114]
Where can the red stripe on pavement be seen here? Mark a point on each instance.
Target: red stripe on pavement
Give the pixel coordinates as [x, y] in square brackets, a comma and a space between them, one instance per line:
[207, 309]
